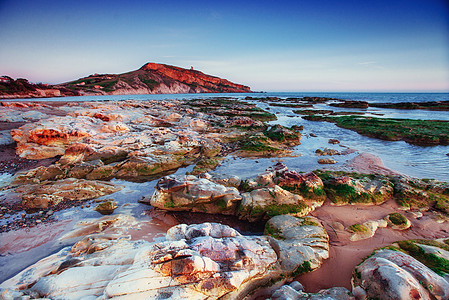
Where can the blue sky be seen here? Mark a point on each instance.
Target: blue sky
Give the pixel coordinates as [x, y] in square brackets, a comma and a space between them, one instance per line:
[321, 45]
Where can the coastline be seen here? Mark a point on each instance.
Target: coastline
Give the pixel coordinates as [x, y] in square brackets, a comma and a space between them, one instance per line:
[151, 224]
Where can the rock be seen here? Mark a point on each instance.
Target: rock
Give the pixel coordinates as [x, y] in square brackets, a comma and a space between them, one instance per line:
[5, 137]
[333, 141]
[50, 137]
[433, 253]
[365, 189]
[203, 195]
[76, 153]
[110, 227]
[205, 261]
[301, 244]
[32, 201]
[412, 193]
[190, 193]
[365, 230]
[286, 292]
[284, 135]
[327, 151]
[230, 181]
[327, 161]
[392, 274]
[312, 134]
[351, 104]
[264, 203]
[243, 122]
[51, 193]
[140, 168]
[106, 208]
[409, 196]
[308, 185]
[398, 221]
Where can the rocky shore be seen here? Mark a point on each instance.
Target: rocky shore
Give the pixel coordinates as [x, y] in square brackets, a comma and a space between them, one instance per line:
[364, 232]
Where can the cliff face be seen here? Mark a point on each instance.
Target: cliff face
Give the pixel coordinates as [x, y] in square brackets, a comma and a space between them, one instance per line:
[198, 81]
[151, 78]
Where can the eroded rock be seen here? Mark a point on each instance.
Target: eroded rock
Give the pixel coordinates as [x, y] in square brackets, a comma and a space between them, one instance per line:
[205, 261]
[287, 292]
[364, 189]
[301, 244]
[392, 274]
[195, 194]
[51, 193]
[365, 230]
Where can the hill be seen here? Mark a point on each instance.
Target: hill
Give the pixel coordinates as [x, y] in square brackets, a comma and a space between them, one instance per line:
[151, 78]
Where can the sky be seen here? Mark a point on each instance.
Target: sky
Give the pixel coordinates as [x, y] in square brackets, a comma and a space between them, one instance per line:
[313, 45]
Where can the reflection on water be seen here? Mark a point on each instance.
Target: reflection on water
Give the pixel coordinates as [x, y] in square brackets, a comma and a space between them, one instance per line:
[412, 160]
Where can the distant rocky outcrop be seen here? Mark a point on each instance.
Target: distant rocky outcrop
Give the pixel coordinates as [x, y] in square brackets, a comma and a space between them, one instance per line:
[151, 78]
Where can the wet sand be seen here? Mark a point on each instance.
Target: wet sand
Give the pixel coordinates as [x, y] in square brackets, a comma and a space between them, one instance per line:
[344, 255]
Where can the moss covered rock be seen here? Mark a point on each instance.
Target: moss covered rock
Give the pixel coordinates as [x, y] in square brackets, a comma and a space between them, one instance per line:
[398, 221]
[356, 188]
[415, 274]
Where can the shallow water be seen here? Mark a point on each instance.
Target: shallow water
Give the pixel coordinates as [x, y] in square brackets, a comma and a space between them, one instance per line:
[412, 160]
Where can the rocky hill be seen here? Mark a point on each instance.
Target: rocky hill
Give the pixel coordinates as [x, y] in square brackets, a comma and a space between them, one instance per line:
[151, 78]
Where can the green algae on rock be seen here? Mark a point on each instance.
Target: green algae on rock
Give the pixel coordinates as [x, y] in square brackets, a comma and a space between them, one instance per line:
[361, 188]
[417, 132]
[398, 221]
[411, 268]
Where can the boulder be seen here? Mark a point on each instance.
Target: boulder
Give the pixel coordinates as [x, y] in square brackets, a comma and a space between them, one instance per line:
[308, 185]
[392, 274]
[106, 207]
[364, 189]
[50, 137]
[301, 244]
[190, 193]
[264, 203]
[413, 193]
[333, 141]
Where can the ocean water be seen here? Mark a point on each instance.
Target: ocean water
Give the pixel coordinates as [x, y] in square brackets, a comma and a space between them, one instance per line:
[370, 97]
